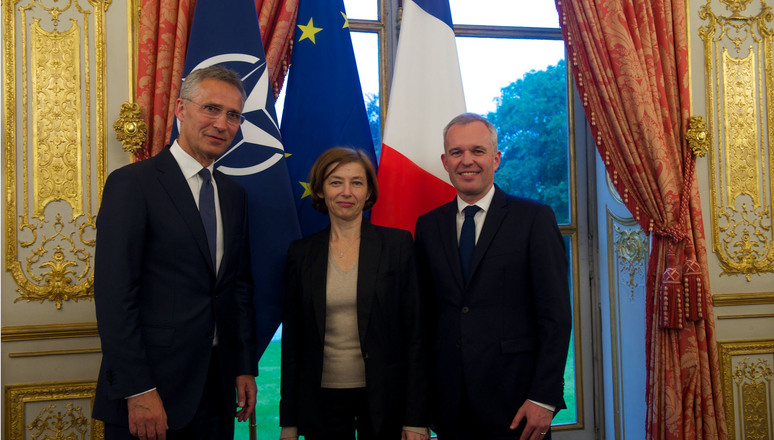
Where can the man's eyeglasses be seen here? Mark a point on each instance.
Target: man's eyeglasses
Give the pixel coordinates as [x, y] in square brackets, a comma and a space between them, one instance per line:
[214, 112]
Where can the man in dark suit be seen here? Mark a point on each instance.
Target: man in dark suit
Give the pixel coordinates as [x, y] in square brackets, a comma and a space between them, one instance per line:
[496, 277]
[172, 282]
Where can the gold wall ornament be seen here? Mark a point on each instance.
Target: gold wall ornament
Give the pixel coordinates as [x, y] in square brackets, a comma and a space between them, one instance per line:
[736, 6]
[631, 251]
[54, 144]
[56, 128]
[753, 380]
[739, 78]
[52, 423]
[748, 387]
[131, 128]
[696, 135]
[51, 411]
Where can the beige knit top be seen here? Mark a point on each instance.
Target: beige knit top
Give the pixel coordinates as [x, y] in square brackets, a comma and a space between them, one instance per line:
[343, 365]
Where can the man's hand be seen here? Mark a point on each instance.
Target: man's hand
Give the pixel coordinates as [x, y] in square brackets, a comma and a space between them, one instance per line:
[538, 421]
[410, 435]
[147, 418]
[246, 392]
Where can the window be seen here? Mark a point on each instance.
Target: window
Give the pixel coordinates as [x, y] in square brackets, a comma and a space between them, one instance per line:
[514, 72]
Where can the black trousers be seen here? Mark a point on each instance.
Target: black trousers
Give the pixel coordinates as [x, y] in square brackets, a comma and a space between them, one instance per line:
[468, 427]
[346, 416]
[212, 420]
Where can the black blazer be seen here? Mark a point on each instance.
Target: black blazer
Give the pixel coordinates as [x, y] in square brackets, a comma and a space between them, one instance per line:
[504, 334]
[157, 298]
[389, 326]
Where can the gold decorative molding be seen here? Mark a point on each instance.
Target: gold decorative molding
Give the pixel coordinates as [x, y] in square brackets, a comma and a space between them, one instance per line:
[55, 352]
[741, 299]
[746, 373]
[48, 331]
[696, 135]
[739, 78]
[747, 316]
[131, 128]
[55, 143]
[631, 252]
[51, 411]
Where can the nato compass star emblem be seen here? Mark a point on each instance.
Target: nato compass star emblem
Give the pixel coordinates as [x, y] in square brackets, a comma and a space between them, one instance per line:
[258, 144]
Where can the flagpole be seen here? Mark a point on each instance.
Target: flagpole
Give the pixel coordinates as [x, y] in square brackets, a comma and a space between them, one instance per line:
[253, 427]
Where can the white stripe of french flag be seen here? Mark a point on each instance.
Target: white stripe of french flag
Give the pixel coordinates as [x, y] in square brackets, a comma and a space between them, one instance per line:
[426, 94]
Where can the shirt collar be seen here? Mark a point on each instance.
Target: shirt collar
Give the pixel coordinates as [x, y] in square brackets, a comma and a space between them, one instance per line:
[186, 162]
[483, 203]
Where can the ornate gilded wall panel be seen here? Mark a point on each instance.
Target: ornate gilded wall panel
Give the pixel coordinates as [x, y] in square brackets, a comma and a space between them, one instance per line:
[627, 256]
[739, 75]
[56, 102]
[747, 370]
[51, 411]
[54, 62]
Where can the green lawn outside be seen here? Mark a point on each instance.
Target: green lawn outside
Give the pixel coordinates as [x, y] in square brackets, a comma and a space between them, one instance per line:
[267, 407]
[268, 381]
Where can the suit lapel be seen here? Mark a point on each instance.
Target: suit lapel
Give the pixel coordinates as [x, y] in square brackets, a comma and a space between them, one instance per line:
[318, 270]
[367, 272]
[447, 225]
[172, 180]
[228, 210]
[494, 219]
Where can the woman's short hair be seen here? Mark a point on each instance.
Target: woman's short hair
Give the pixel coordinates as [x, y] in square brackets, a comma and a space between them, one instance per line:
[340, 156]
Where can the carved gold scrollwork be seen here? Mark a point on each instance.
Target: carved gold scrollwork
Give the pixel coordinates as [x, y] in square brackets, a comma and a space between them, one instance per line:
[58, 408]
[54, 143]
[753, 381]
[131, 128]
[697, 138]
[48, 424]
[739, 78]
[748, 386]
[631, 249]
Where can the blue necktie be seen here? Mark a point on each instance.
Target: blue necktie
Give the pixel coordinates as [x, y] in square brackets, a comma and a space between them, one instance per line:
[468, 239]
[207, 211]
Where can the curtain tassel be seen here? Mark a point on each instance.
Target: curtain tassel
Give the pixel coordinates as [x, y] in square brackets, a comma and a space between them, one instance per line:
[694, 310]
[672, 315]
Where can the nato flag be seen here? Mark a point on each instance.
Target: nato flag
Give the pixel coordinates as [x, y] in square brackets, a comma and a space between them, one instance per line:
[228, 33]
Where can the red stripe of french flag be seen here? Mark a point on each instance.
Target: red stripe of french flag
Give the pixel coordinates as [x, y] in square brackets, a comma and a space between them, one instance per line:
[426, 94]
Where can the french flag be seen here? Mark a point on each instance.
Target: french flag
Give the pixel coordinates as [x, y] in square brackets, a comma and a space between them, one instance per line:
[426, 94]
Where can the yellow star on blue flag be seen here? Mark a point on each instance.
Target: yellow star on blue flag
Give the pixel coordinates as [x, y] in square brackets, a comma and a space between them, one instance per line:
[307, 189]
[309, 31]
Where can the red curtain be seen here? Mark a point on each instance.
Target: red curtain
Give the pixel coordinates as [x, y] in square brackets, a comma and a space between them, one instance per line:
[630, 62]
[163, 39]
[278, 21]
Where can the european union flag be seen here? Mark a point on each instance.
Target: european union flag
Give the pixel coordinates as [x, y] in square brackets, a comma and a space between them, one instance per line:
[228, 34]
[324, 105]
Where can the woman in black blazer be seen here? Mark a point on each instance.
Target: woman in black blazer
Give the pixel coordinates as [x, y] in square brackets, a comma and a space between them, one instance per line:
[353, 347]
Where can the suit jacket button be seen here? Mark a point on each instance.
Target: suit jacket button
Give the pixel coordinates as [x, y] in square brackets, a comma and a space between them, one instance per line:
[465, 309]
[365, 356]
[459, 344]
[211, 335]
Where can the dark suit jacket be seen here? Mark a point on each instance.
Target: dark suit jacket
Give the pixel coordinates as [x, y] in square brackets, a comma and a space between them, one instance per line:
[157, 297]
[504, 334]
[389, 326]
